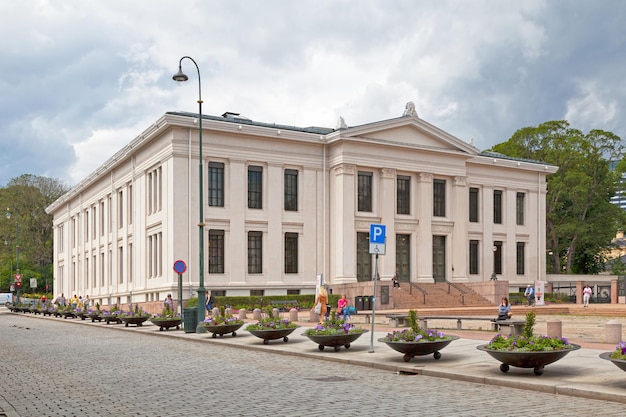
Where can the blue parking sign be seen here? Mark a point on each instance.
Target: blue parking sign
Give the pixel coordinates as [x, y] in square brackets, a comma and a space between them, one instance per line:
[377, 239]
[377, 233]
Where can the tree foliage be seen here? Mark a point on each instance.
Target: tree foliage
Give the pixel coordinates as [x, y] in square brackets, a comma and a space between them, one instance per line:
[580, 219]
[26, 237]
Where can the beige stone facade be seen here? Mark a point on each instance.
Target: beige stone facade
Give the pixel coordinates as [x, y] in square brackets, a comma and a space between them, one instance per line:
[284, 204]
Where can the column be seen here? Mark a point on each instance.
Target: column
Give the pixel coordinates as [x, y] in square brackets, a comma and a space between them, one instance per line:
[342, 223]
[387, 210]
[460, 218]
[424, 247]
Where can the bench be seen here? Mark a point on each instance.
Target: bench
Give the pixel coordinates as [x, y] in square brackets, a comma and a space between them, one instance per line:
[513, 327]
[282, 304]
[401, 320]
[367, 314]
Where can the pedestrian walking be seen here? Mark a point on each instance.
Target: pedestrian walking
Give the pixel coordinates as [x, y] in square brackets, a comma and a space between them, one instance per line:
[587, 291]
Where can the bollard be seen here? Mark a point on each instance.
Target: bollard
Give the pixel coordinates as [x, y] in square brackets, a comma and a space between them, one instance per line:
[215, 312]
[275, 312]
[228, 311]
[256, 314]
[242, 314]
[293, 315]
[613, 332]
[555, 328]
[314, 317]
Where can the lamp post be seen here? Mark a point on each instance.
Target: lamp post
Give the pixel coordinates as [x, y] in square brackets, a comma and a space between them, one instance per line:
[494, 277]
[17, 255]
[180, 76]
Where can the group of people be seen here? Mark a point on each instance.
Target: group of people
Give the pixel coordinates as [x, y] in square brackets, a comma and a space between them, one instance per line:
[504, 309]
[74, 302]
[321, 306]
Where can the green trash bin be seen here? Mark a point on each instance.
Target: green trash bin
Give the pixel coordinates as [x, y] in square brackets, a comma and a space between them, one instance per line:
[190, 319]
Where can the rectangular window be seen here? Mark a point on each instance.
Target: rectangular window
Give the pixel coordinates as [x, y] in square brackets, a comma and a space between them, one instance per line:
[101, 218]
[291, 253]
[403, 190]
[291, 190]
[293, 292]
[94, 222]
[364, 191]
[497, 206]
[255, 252]
[216, 184]
[403, 257]
[86, 225]
[130, 204]
[473, 257]
[439, 198]
[520, 208]
[130, 263]
[102, 275]
[255, 187]
[363, 257]
[497, 257]
[520, 257]
[257, 293]
[120, 209]
[473, 205]
[216, 251]
[120, 264]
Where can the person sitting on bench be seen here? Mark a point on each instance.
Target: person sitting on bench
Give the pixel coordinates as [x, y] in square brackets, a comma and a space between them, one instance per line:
[504, 310]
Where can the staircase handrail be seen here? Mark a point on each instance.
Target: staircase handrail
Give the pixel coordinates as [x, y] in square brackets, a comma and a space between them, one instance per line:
[459, 289]
[417, 287]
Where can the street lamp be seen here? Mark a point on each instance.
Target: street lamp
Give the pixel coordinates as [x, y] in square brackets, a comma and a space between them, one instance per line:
[494, 276]
[180, 76]
[18, 283]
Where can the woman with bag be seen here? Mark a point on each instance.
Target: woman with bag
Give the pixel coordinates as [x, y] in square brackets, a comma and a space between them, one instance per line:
[320, 302]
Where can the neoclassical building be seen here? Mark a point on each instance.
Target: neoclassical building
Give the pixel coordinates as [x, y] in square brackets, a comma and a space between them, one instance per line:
[284, 205]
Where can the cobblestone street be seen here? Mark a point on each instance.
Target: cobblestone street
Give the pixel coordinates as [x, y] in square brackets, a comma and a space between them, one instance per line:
[57, 368]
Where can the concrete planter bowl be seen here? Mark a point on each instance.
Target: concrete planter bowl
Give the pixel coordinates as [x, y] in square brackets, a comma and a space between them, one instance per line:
[536, 360]
[166, 324]
[273, 334]
[620, 363]
[137, 321]
[412, 349]
[222, 329]
[334, 340]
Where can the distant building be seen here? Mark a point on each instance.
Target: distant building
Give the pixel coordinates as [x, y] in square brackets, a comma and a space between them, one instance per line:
[283, 204]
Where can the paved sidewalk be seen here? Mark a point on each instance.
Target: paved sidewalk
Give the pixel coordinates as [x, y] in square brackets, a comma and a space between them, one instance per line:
[580, 373]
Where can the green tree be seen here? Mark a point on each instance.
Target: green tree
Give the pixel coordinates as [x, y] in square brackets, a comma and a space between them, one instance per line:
[28, 232]
[580, 218]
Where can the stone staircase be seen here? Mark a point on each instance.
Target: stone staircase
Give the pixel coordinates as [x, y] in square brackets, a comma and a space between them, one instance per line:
[436, 295]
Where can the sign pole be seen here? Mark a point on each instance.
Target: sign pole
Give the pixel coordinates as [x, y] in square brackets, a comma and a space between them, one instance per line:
[374, 305]
[180, 294]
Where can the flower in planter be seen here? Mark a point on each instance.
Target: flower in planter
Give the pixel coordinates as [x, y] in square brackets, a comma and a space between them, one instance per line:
[619, 352]
[166, 314]
[137, 312]
[415, 333]
[528, 342]
[222, 320]
[333, 326]
[269, 322]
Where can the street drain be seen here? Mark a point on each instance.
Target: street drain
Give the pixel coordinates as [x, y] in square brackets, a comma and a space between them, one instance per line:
[405, 373]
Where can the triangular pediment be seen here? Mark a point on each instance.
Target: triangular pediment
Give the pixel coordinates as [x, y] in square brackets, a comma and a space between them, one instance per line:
[407, 130]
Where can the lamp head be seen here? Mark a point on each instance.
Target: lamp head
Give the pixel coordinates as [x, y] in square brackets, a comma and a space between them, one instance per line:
[180, 76]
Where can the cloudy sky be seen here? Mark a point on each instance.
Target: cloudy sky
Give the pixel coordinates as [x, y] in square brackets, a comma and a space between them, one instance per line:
[81, 78]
